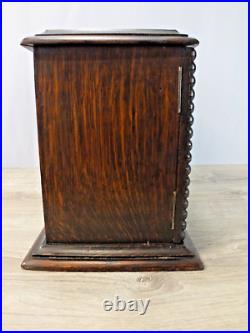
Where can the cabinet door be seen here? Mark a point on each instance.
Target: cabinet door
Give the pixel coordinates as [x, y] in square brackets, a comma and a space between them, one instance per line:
[108, 126]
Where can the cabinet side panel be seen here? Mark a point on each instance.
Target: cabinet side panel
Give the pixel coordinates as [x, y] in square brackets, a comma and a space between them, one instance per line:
[108, 133]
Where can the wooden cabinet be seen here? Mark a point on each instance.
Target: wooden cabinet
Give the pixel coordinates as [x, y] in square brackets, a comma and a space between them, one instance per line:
[114, 113]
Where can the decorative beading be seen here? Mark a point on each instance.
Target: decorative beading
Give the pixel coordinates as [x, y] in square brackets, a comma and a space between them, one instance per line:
[189, 134]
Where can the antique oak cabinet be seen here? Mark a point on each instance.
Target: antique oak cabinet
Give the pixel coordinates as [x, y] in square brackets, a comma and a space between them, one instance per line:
[114, 114]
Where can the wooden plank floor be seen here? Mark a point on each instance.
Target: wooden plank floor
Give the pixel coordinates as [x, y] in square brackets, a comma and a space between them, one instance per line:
[211, 299]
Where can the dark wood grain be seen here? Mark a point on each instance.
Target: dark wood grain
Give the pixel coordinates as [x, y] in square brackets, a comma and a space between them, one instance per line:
[114, 128]
[178, 262]
[108, 135]
[111, 250]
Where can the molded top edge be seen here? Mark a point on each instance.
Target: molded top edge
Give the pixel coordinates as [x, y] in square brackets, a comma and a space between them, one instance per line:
[131, 36]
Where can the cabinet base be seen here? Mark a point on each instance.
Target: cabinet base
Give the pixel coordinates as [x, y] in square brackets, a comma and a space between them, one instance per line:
[112, 257]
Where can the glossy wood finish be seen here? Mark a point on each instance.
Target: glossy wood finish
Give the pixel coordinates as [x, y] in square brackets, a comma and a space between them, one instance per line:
[114, 127]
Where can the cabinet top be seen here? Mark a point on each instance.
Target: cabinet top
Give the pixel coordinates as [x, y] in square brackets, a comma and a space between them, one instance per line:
[132, 36]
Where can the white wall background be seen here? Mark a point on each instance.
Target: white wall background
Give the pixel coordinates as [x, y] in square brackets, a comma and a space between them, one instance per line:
[220, 128]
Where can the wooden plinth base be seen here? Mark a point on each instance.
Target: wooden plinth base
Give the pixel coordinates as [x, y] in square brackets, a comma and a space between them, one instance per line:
[112, 257]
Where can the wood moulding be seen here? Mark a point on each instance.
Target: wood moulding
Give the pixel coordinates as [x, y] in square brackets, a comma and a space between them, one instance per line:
[134, 36]
[112, 257]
